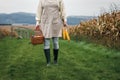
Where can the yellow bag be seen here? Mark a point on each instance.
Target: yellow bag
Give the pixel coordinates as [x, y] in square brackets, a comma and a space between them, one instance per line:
[65, 34]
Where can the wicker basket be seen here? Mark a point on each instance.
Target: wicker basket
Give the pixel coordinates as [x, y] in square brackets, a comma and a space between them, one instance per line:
[37, 38]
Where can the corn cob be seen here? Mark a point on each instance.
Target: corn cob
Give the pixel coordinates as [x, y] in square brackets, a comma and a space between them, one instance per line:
[67, 35]
[63, 34]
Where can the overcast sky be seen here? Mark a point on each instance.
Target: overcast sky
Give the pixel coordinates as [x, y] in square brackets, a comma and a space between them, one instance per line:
[73, 7]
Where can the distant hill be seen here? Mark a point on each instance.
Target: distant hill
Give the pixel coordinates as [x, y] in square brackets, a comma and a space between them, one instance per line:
[17, 18]
[74, 20]
[29, 18]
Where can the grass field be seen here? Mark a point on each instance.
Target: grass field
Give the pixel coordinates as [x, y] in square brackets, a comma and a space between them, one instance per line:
[20, 60]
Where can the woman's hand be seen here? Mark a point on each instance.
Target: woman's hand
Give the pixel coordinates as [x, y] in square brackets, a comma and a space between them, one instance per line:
[65, 24]
[38, 27]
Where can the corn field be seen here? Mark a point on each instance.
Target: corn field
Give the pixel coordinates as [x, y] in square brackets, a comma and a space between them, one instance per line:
[7, 32]
[16, 31]
[104, 30]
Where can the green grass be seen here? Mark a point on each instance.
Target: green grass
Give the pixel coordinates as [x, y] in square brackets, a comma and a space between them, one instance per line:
[20, 60]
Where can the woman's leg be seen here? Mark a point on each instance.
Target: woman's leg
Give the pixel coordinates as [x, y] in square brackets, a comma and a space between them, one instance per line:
[47, 50]
[56, 48]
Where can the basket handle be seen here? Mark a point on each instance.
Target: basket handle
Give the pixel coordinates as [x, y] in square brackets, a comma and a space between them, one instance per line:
[38, 29]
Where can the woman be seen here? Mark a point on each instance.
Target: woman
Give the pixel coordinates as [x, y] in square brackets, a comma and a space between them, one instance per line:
[51, 18]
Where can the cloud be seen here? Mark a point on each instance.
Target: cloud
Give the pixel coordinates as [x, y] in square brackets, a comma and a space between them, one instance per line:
[87, 7]
[8, 6]
[73, 7]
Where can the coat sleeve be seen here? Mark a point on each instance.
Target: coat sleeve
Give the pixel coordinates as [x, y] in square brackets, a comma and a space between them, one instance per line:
[62, 10]
[39, 12]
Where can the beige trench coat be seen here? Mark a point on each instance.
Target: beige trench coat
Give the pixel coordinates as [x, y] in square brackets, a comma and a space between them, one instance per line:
[50, 14]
